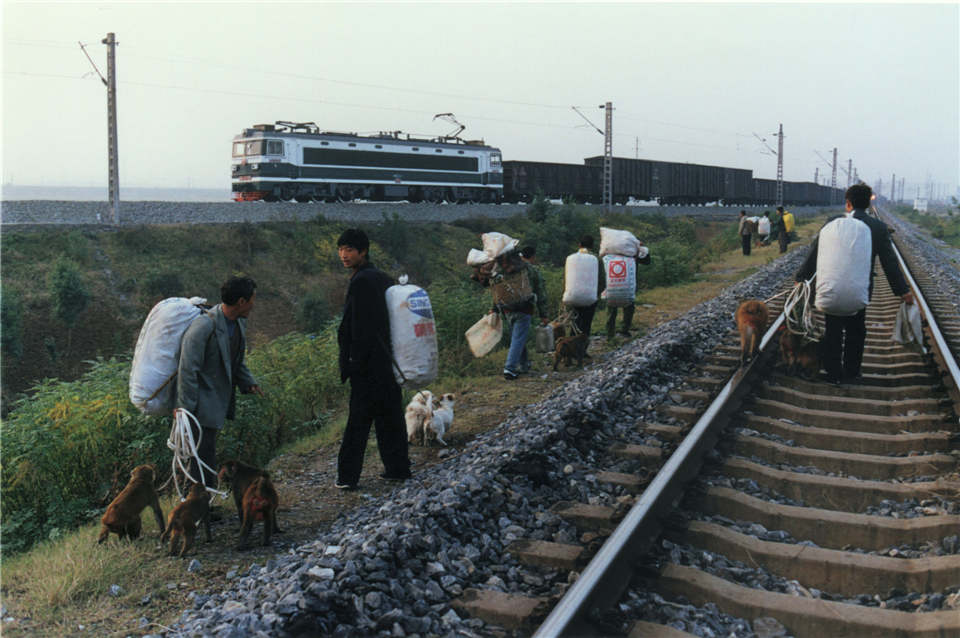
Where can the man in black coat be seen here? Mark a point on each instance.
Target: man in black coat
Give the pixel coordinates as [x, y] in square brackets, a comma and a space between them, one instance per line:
[844, 336]
[366, 359]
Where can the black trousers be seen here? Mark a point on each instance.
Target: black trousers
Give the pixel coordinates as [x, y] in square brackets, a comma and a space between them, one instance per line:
[784, 240]
[207, 451]
[379, 404]
[843, 342]
[583, 318]
[612, 319]
[745, 243]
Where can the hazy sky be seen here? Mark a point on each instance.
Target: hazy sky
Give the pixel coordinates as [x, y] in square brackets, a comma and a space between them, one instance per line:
[691, 82]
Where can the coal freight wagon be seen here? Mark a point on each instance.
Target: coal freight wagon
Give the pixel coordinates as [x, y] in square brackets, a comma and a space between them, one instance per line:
[676, 183]
[296, 161]
[522, 181]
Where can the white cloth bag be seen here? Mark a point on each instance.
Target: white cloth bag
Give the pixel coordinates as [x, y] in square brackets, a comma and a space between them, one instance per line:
[580, 280]
[618, 242]
[909, 328]
[413, 335]
[496, 244]
[843, 267]
[544, 338]
[621, 275]
[157, 354]
[483, 336]
[763, 227]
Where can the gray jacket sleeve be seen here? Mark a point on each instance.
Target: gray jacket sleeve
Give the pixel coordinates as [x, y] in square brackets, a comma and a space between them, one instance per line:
[245, 379]
[192, 352]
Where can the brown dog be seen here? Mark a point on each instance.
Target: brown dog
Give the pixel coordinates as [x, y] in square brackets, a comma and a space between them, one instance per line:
[569, 348]
[259, 504]
[184, 519]
[123, 514]
[751, 322]
[799, 355]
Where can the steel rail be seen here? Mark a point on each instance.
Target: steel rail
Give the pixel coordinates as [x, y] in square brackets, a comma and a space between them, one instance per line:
[606, 576]
[938, 339]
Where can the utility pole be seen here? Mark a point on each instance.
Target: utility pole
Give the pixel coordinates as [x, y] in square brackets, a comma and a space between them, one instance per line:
[112, 149]
[856, 177]
[780, 166]
[608, 157]
[833, 177]
[893, 188]
[816, 176]
[879, 187]
[849, 171]
[903, 186]
[636, 147]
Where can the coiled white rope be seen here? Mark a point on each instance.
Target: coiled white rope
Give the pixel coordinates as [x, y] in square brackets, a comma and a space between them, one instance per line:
[185, 448]
[798, 311]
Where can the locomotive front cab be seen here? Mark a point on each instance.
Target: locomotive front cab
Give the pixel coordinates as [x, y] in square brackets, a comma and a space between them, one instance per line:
[255, 160]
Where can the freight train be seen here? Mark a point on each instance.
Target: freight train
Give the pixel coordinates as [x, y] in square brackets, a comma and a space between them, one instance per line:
[296, 161]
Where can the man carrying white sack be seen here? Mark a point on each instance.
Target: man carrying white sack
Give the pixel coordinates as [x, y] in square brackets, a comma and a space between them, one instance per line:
[846, 328]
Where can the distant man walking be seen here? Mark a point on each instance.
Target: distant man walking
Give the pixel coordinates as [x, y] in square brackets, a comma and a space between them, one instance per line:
[744, 230]
[844, 336]
[366, 359]
[781, 229]
[212, 367]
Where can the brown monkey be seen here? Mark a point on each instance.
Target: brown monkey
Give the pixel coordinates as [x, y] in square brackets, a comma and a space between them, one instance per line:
[241, 476]
[751, 322]
[185, 517]
[570, 348]
[798, 354]
[123, 514]
[259, 504]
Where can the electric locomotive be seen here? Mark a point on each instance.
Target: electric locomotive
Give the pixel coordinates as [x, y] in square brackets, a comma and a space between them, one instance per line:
[296, 161]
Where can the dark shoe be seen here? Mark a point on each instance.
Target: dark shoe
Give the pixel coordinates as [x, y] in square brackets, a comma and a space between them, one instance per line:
[395, 477]
[510, 375]
[854, 380]
[345, 486]
[832, 380]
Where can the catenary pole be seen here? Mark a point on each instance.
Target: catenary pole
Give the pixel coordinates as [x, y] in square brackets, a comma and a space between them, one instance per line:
[608, 157]
[112, 147]
[780, 166]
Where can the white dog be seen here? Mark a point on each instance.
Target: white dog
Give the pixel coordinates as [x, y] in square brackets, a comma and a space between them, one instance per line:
[442, 419]
[418, 416]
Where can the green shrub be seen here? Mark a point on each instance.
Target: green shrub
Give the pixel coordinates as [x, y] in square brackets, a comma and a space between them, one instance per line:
[11, 323]
[539, 209]
[671, 262]
[314, 311]
[68, 292]
[162, 283]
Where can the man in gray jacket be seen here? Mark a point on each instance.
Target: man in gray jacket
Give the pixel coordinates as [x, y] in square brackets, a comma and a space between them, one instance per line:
[212, 367]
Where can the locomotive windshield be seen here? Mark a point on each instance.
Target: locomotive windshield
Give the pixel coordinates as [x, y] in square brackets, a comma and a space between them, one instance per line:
[258, 147]
[495, 159]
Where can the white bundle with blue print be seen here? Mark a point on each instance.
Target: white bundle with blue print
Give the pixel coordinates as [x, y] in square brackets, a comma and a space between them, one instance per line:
[413, 335]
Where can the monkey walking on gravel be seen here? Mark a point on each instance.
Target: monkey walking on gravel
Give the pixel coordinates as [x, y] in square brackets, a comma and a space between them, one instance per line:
[255, 497]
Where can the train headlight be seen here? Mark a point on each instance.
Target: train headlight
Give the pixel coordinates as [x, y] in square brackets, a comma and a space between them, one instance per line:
[254, 167]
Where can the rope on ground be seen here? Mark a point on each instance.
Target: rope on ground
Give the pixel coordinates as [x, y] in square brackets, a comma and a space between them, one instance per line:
[798, 311]
[185, 448]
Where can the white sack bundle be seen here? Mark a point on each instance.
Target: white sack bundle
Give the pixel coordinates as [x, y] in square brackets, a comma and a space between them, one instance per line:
[843, 267]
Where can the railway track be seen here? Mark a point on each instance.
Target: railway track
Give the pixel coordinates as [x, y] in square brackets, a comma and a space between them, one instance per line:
[804, 508]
